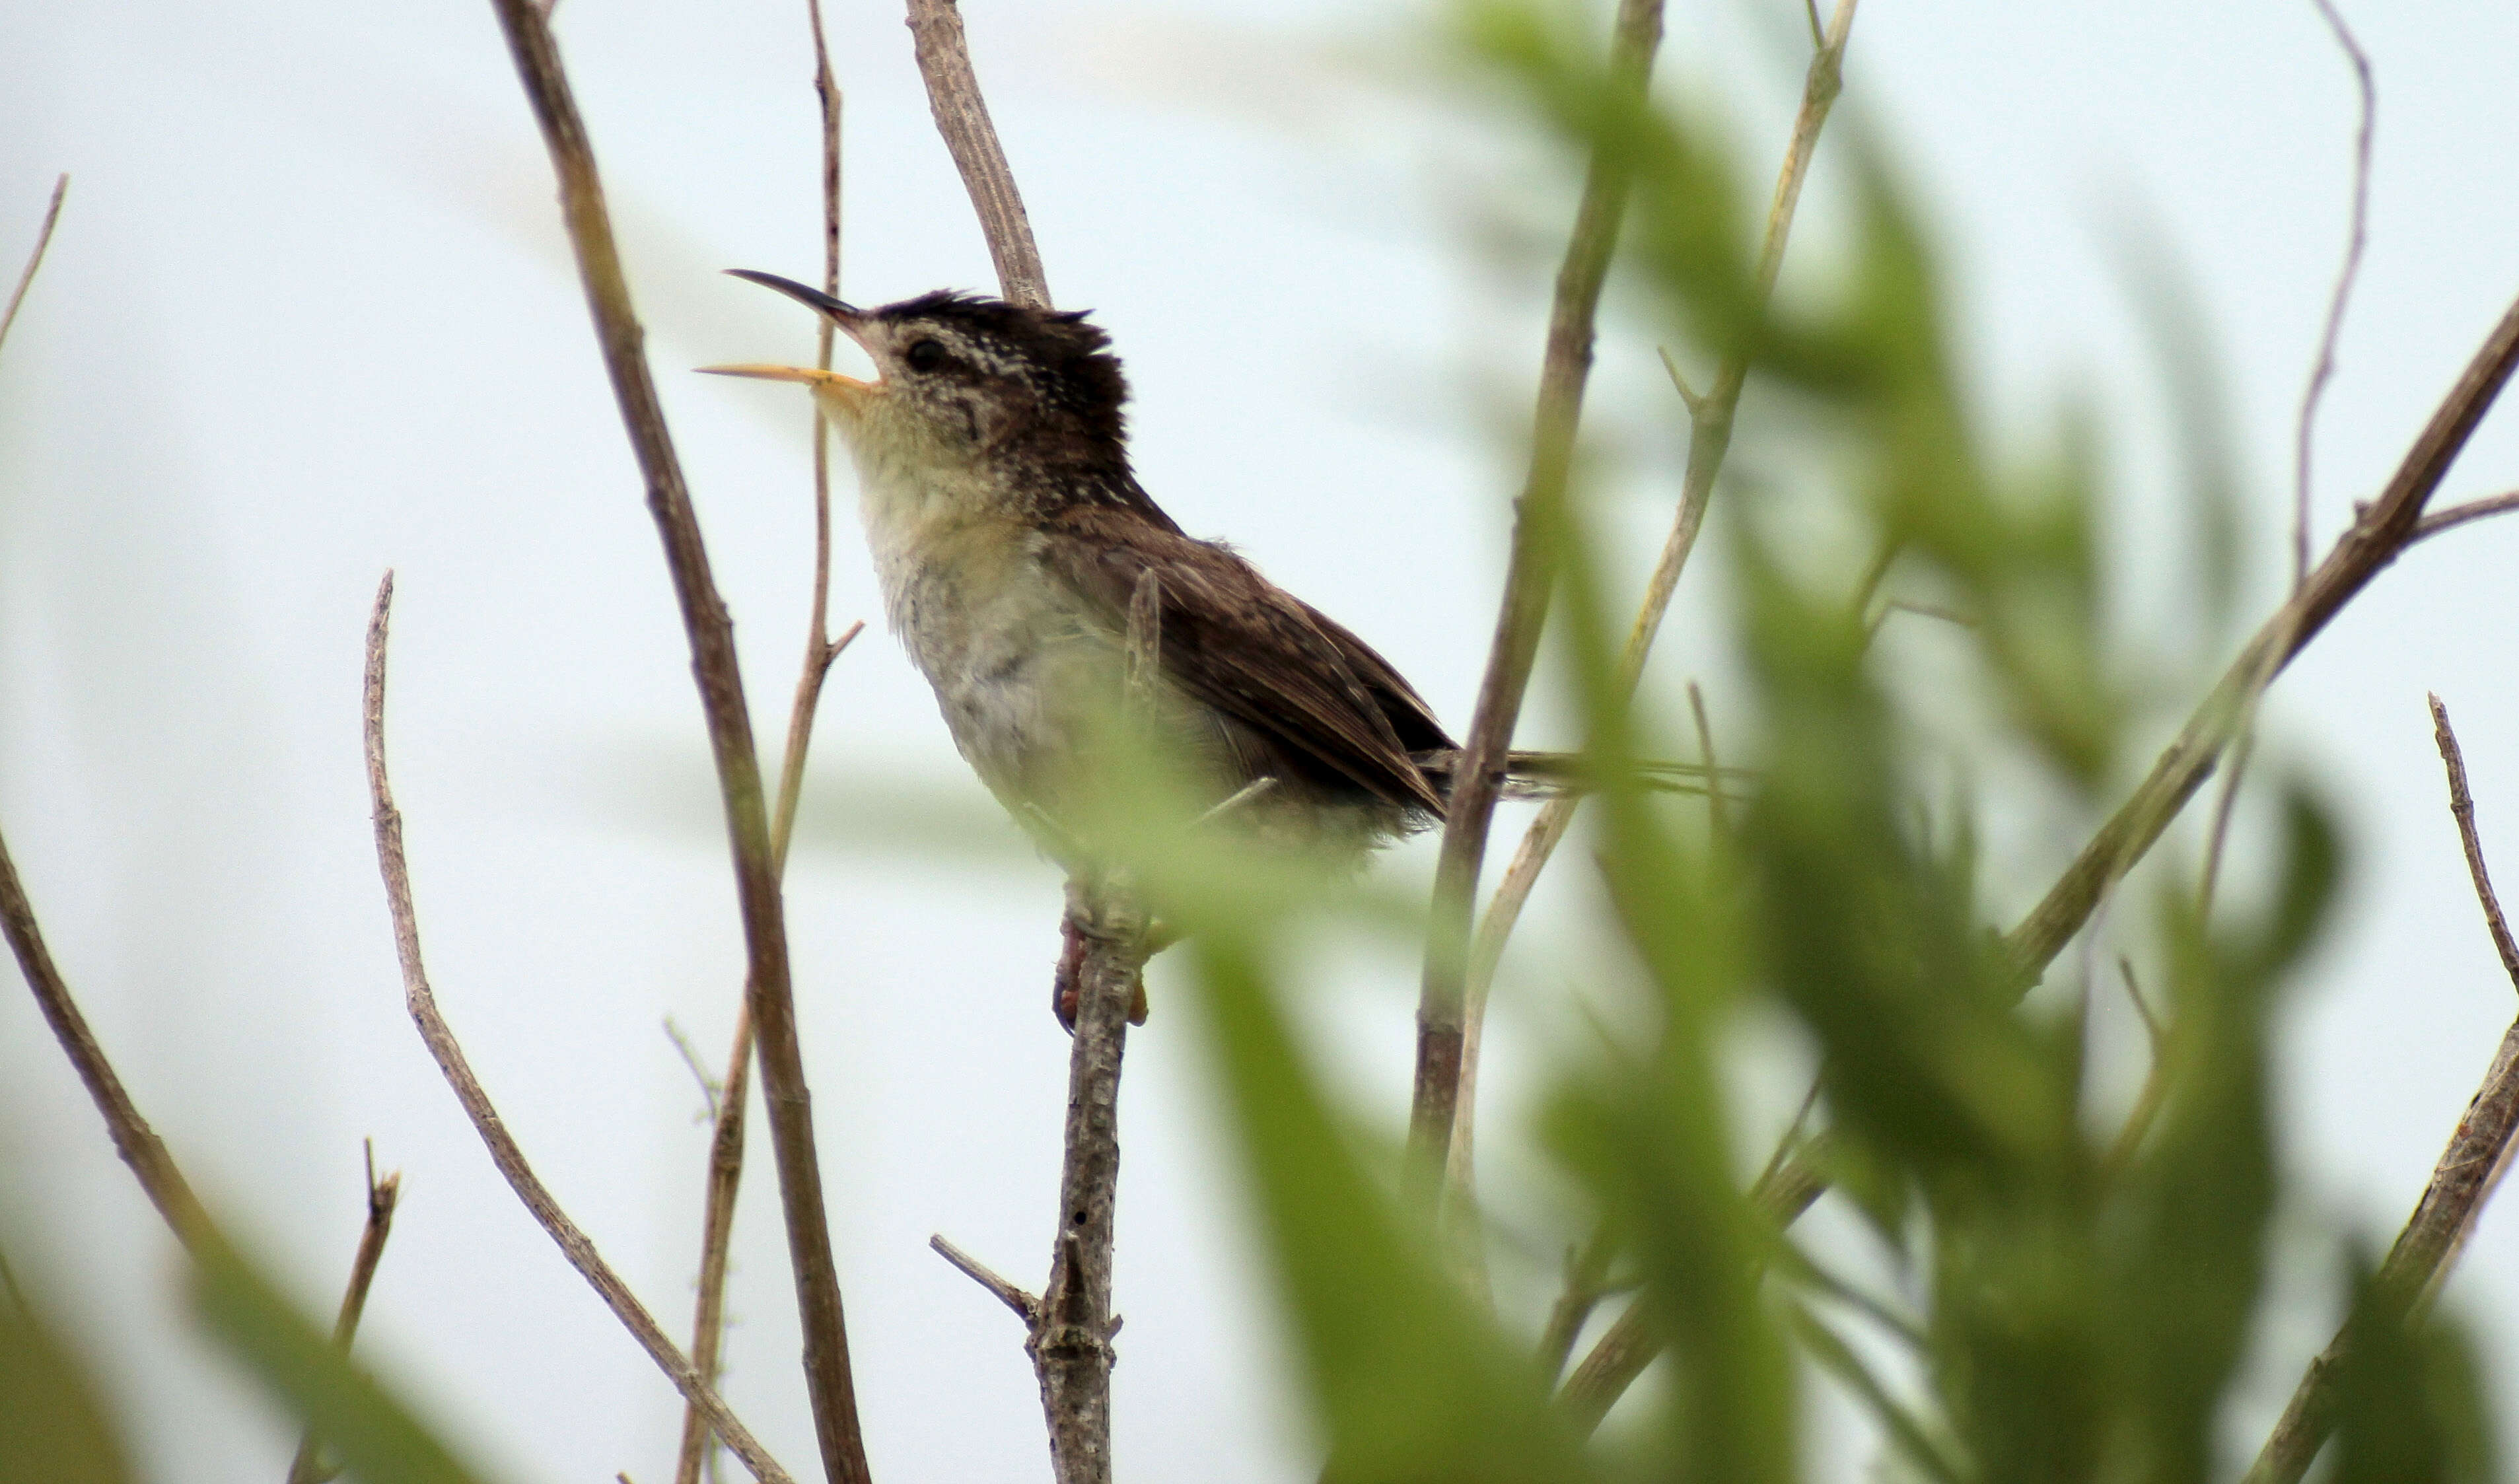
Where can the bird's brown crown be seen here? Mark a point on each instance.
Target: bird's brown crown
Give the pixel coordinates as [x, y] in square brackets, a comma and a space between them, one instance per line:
[1027, 374]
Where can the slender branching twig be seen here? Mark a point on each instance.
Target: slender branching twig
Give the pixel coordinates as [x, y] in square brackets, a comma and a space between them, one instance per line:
[2356, 237]
[2383, 529]
[725, 1145]
[421, 1001]
[2304, 437]
[2458, 515]
[382, 1196]
[34, 259]
[1710, 414]
[768, 990]
[2469, 1169]
[1026, 1307]
[1587, 1275]
[2461, 809]
[962, 117]
[1443, 1031]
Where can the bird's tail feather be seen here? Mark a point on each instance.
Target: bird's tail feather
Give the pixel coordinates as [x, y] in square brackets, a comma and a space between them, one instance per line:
[1552, 776]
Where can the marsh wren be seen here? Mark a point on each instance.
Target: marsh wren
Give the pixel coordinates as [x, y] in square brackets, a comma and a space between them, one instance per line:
[1010, 537]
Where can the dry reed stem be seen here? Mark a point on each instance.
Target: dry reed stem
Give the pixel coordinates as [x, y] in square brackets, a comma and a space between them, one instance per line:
[768, 993]
[1443, 1012]
[1710, 414]
[421, 1002]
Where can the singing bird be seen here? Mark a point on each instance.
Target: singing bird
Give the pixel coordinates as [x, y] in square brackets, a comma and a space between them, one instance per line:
[1010, 537]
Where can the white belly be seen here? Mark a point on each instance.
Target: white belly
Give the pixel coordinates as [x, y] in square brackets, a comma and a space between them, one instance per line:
[1020, 671]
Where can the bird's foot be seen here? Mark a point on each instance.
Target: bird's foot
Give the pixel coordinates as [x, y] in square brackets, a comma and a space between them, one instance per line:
[1067, 985]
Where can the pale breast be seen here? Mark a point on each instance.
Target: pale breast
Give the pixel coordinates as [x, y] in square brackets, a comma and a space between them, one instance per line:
[1018, 666]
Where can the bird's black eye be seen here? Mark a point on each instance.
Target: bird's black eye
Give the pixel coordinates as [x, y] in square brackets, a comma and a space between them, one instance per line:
[924, 356]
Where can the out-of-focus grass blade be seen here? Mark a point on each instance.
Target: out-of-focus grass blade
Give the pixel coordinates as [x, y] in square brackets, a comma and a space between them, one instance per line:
[2410, 1408]
[2191, 1225]
[1915, 1439]
[53, 1430]
[1411, 1384]
[374, 1437]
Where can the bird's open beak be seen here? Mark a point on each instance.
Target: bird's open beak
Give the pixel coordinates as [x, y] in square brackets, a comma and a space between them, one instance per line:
[847, 316]
[809, 376]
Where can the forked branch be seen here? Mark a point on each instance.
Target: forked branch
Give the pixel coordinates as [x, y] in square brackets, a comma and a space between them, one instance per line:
[2461, 1182]
[769, 994]
[421, 1001]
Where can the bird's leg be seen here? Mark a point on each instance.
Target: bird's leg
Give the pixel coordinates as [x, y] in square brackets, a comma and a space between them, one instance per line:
[1076, 929]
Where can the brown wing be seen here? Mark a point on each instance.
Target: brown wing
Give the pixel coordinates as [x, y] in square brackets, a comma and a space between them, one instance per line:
[1235, 642]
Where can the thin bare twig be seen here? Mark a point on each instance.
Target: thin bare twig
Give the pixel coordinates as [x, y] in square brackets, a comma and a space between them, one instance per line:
[2383, 529]
[2458, 515]
[725, 1145]
[382, 1196]
[717, 1241]
[2304, 442]
[1443, 1012]
[2461, 808]
[1587, 1275]
[34, 259]
[962, 117]
[1718, 809]
[2356, 234]
[2469, 1169]
[1710, 414]
[421, 1002]
[133, 1139]
[2154, 1096]
[1026, 1307]
[768, 993]
[1630, 1343]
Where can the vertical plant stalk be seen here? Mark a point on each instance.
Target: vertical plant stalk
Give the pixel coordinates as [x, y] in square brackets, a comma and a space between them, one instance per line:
[1711, 416]
[382, 1196]
[769, 994]
[443, 1048]
[962, 118]
[726, 1142]
[2469, 1169]
[1443, 1017]
[1071, 1324]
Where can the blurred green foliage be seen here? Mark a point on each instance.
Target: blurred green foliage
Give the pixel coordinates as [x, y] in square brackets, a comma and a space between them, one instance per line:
[2082, 1292]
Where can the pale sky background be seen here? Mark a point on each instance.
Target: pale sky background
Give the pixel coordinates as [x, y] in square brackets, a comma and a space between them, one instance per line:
[309, 315]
